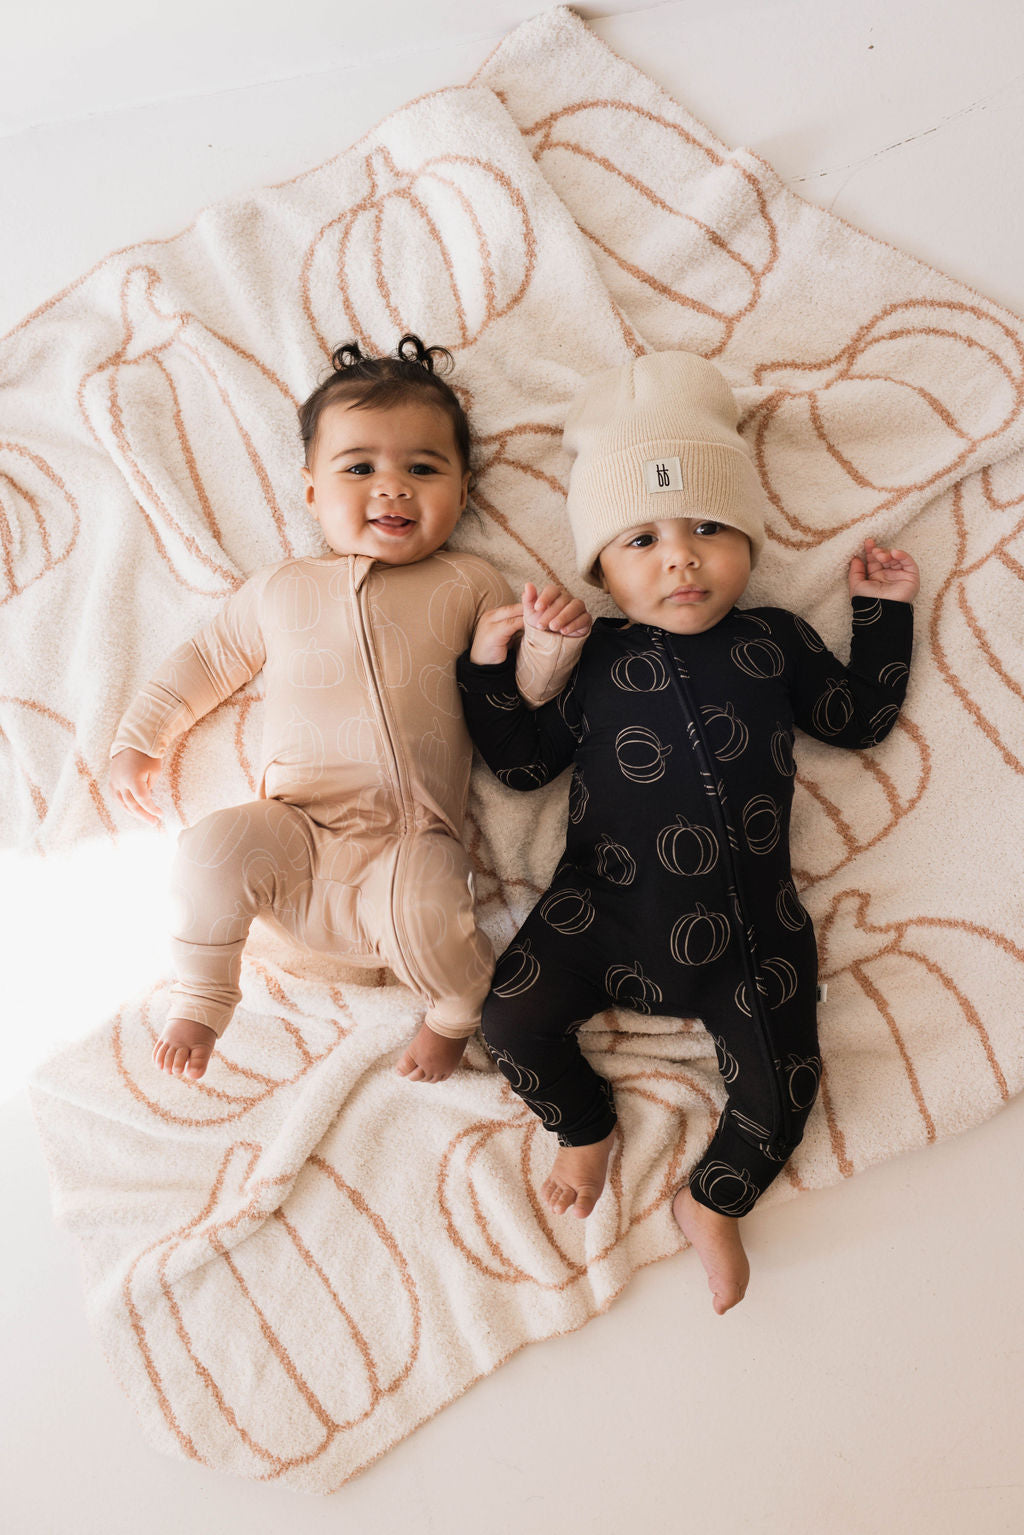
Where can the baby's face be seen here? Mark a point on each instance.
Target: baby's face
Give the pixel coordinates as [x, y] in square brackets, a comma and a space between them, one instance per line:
[678, 573]
[388, 483]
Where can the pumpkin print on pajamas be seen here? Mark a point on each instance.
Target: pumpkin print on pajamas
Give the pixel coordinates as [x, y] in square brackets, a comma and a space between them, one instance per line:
[676, 863]
[568, 911]
[315, 667]
[700, 937]
[516, 971]
[803, 1074]
[727, 734]
[615, 863]
[641, 755]
[641, 673]
[688, 850]
[726, 1188]
[629, 985]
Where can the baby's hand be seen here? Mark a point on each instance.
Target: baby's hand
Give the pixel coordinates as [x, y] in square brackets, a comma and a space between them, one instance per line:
[495, 630]
[132, 776]
[890, 573]
[555, 611]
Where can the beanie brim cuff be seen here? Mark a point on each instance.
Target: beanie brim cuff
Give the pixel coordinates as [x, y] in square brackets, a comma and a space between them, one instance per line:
[608, 495]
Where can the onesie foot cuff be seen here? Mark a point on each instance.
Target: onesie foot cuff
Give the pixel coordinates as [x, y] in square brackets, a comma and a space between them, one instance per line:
[452, 1030]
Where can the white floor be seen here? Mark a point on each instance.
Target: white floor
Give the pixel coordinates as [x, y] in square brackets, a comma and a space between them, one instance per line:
[872, 1380]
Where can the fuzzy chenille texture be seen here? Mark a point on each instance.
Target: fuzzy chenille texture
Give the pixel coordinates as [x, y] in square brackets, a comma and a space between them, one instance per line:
[294, 1263]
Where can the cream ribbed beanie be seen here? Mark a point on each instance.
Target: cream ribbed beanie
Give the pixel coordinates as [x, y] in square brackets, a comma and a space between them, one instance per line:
[653, 439]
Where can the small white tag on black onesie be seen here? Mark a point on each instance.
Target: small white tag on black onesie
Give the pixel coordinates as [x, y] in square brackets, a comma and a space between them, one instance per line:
[663, 474]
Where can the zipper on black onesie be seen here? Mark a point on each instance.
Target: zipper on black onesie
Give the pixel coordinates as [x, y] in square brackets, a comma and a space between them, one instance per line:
[725, 826]
[645, 838]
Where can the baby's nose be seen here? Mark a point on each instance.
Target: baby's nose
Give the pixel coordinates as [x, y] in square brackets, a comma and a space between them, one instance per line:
[390, 486]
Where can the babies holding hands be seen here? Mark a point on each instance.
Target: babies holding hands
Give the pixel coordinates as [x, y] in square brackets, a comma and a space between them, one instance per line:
[674, 894]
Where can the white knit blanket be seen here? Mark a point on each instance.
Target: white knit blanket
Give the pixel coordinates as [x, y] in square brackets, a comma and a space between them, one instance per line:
[294, 1263]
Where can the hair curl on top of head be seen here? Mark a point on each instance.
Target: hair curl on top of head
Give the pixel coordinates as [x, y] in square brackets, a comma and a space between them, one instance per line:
[412, 375]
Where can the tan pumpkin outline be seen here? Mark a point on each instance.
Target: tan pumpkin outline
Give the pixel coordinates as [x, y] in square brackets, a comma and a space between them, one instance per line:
[524, 1120]
[955, 584]
[728, 322]
[172, 1241]
[900, 806]
[836, 690]
[204, 1090]
[856, 969]
[738, 739]
[607, 852]
[181, 321]
[647, 658]
[637, 973]
[641, 736]
[761, 415]
[757, 806]
[241, 705]
[683, 926]
[705, 839]
[584, 917]
[380, 167]
[741, 652]
[493, 450]
[50, 562]
[522, 949]
[39, 801]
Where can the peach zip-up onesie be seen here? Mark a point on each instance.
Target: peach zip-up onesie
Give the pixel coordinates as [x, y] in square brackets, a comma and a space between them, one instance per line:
[354, 845]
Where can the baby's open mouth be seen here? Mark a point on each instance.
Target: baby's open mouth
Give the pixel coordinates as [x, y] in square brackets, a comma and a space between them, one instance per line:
[392, 524]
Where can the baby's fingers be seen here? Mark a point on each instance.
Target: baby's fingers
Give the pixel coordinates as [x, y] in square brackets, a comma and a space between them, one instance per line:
[494, 633]
[538, 606]
[140, 803]
[571, 619]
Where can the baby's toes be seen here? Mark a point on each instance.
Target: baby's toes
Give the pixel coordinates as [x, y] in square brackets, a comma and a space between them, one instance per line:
[409, 1068]
[584, 1203]
[557, 1196]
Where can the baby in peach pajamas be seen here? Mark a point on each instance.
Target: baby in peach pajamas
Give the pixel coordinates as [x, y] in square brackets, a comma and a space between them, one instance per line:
[354, 845]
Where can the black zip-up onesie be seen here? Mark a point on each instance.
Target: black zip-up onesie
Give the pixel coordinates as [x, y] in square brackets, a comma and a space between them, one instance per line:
[675, 892]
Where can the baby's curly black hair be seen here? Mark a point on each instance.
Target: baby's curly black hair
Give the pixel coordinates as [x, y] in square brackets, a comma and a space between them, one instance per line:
[413, 373]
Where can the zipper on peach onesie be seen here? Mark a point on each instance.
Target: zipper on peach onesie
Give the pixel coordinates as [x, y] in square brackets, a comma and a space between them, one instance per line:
[403, 955]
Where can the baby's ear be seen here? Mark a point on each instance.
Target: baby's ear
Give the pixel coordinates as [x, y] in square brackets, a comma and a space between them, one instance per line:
[310, 493]
[598, 574]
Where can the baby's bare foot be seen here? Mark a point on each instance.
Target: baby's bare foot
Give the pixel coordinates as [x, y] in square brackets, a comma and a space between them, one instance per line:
[430, 1057]
[577, 1177]
[717, 1240]
[184, 1048]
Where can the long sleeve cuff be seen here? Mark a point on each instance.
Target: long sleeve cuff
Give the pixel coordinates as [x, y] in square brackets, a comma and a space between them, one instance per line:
[543, 664]
[497, 679]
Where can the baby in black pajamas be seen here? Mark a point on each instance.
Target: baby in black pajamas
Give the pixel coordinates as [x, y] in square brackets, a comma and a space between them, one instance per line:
[675, 892]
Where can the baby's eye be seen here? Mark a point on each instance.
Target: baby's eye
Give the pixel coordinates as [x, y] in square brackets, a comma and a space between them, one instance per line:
[641, 541]
[708, 529]
[358, 469]
[423, 469]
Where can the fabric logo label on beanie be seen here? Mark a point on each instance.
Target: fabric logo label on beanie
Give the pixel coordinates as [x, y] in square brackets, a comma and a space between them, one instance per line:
[663, 474]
